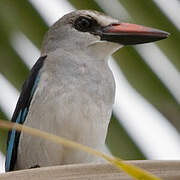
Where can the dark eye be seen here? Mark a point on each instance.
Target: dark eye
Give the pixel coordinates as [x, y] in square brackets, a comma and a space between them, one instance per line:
[83, 24]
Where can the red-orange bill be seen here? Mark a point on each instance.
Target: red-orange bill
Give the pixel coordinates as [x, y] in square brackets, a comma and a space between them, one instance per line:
[131, 34]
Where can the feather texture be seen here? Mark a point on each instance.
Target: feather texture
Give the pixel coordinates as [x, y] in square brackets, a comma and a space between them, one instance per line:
[21, 112]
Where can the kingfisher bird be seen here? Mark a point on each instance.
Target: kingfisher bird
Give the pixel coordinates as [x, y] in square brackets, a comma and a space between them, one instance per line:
[70, 90]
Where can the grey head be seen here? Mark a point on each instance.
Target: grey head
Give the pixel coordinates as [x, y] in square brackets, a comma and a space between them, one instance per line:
[89, 30]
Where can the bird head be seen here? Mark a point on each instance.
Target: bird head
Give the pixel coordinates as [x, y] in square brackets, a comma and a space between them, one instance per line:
[91, 31]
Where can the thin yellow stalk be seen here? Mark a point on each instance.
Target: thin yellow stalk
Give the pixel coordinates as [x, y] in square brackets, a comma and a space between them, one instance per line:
[135, 172]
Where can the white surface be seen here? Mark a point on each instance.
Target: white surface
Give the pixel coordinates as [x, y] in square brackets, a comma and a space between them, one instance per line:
[8, 96]
[171, 9]
[2, 163]
[114, 8]
[162, 67]
[25, 48]
[52, 10]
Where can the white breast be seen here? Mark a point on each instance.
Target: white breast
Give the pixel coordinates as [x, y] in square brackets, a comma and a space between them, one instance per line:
[74, 100]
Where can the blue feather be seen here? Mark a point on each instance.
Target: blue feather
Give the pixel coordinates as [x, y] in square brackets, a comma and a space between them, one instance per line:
[11, 144]
[35, 84]
[20, 119]
[21, 111]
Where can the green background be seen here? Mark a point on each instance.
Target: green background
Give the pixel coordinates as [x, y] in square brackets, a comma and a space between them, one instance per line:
[20, 15]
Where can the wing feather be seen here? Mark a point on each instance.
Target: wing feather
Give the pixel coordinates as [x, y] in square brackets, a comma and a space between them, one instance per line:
[21, 112]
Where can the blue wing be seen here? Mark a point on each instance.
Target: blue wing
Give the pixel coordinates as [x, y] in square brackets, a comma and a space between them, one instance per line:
[21, 112]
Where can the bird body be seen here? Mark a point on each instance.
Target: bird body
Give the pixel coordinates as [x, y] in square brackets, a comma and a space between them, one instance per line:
[70, 90]
[77, 106]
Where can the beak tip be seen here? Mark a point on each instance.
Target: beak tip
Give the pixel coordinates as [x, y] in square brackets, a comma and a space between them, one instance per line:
[165, 34]
[158, 33]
